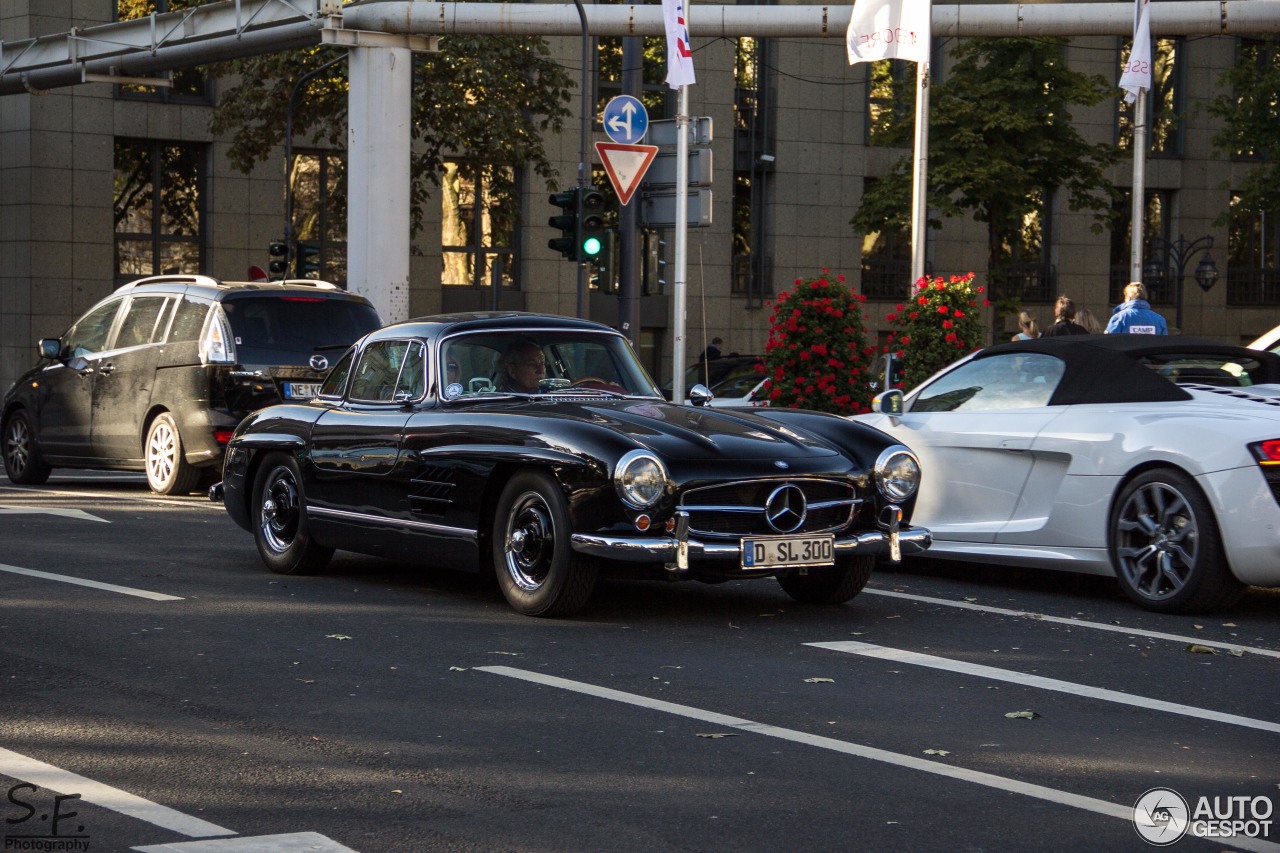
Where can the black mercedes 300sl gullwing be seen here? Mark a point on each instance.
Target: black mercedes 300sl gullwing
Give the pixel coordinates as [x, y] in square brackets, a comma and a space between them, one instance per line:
[537, 448]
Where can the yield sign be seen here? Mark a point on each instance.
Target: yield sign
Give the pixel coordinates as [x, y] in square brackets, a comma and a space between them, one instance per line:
[626, 165]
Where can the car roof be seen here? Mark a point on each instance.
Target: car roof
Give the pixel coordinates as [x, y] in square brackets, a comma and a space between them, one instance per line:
[437, 325]
[1110, 368]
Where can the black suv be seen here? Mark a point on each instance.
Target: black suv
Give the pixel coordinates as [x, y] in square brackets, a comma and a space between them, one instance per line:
[158, 375]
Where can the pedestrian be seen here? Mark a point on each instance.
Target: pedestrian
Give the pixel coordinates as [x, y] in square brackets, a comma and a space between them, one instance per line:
[1085, 318]
[1064, 319]
[712, 352]
[1134, 316]
[1027, 328]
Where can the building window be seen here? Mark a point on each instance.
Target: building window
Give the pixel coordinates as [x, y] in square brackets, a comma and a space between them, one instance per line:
[1253, 257]
[319, 206]
[886, 260]
[1264, 57]
[1157, 222]
[476, 235]
[891, 103]
[159, 207]
[1026, 272]
[1164, 100]
[753, 169]
[190, 85]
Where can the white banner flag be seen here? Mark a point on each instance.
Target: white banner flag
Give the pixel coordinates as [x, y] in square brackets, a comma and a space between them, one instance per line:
[889, 29]
[679, 56]
[1137, 73]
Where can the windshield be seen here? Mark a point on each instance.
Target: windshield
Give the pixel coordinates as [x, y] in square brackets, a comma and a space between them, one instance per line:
[542, 362]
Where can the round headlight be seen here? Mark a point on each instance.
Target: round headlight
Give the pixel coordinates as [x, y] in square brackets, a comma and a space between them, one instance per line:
[897, 473]
[640, 479]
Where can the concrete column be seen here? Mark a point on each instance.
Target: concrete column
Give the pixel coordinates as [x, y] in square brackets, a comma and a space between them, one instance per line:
[378, 148]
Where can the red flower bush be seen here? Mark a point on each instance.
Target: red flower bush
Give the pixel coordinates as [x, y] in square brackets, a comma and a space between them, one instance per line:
[941, 326]
[817, 354]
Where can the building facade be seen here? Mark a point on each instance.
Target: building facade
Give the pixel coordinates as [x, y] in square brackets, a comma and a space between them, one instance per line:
[102, 183]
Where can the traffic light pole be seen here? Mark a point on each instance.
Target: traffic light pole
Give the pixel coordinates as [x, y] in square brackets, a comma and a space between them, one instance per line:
[583, 151]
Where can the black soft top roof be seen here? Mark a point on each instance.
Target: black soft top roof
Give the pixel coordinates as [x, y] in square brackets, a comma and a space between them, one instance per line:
[1112, 368]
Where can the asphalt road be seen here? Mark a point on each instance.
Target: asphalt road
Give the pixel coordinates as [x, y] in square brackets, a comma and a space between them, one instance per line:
[160, 690]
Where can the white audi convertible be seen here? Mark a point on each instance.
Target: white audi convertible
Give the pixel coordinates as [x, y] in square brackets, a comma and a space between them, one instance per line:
[1156, 459]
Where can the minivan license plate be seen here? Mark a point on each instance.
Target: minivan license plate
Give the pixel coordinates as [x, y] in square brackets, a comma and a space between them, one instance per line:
[301, 390]
[781, 551]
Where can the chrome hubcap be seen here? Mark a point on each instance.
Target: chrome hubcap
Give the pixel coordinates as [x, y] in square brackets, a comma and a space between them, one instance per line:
[530, 542]
[161, 453]
[278, 520]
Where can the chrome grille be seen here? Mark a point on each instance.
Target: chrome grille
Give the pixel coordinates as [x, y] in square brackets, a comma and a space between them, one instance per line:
[732, 510]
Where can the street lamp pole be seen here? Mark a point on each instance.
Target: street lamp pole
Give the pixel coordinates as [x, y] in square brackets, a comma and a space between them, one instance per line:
[1172, 257]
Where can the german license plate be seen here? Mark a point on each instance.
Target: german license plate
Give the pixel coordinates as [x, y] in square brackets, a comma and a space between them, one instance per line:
[783, 551]
[301, 390]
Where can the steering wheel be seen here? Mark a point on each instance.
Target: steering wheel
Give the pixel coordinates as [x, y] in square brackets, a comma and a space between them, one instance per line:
[596, 383]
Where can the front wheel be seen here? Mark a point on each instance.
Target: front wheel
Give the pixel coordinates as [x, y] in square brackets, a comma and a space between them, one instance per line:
[1166, 548]
[22, 460]
[168, 472]
[538, 572]
[834, 585]
[279, 513]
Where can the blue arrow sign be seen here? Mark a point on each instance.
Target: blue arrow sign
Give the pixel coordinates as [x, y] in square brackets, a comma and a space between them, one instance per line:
[625, 119]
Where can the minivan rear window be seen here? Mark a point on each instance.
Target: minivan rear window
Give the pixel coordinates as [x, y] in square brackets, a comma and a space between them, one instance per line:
[297, 323]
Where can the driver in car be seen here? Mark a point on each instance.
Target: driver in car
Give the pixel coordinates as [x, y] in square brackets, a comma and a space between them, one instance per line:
[521, 367]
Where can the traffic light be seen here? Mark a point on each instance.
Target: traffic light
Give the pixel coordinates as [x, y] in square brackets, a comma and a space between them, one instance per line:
[567, 221]
[591, 232]
[308, 260]
[279, 263]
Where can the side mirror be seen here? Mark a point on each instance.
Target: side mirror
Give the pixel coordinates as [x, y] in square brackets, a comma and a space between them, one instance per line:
[700, 395]
[50, 348]
[888, 402]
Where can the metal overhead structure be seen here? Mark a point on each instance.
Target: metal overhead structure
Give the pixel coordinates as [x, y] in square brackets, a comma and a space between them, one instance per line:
[237, 28]
[383, 34]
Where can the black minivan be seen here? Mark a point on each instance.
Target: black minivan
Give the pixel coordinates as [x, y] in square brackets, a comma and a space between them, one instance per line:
[157, 376]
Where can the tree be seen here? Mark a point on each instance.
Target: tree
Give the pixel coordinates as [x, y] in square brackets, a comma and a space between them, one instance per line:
[1251, 126]
[482, 100]
[936, 326]
[1001, 142]
[817, 353]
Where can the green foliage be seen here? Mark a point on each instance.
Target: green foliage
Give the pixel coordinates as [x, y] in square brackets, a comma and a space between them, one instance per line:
[937, 326]
[1000, 138]
[484, 100]
[1251, 125]
[817, 356]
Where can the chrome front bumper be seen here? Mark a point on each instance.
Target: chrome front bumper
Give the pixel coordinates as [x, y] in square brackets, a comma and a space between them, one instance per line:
[677, 550]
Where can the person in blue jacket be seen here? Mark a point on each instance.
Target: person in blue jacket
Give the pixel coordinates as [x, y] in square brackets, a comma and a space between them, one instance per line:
[1134, 316]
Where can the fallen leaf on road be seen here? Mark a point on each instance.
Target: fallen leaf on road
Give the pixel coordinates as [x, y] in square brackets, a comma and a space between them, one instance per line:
[336, 637]
[1022, 715]
[1201, 650]
[936, 752]
[1229, 625]
[514, 654]
[819, 681]
[457, 669]
[1239, 653]
[718, 734]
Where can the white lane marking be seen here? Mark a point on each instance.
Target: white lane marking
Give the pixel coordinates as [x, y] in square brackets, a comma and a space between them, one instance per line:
[1014, 677]
[297, 842]
[109, 587]
[172, 502]
[56, 779]
[65, 513]
[1075, 623]
[977, 777]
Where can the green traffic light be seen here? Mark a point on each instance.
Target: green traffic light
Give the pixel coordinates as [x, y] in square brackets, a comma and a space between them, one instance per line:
[591, 246]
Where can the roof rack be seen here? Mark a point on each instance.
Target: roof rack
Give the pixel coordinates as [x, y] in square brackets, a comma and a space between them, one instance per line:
[172, 279]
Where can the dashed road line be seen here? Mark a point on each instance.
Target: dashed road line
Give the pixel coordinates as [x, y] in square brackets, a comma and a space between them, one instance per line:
[54, 778]
[990, 780]
[1075, 623]
[108, 587]
[1042, 683]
